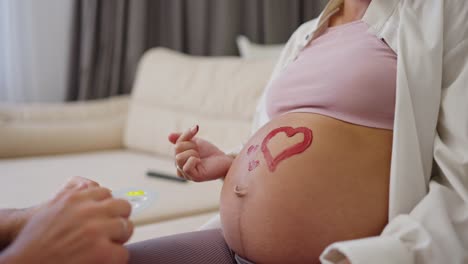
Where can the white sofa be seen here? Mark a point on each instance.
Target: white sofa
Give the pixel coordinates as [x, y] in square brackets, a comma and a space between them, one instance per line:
[115, 141]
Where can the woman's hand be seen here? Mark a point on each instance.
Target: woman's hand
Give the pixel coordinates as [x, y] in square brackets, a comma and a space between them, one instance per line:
[198, 159]
[81, 224]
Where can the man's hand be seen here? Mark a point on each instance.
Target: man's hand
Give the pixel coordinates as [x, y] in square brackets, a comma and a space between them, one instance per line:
[81, 224]
[75, 182]
[13, 220]
[22, 216]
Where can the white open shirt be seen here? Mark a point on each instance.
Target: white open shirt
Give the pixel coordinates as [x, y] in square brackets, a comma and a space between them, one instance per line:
[428, 212]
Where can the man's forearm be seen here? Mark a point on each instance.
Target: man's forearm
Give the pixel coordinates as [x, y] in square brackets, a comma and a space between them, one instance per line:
[11, 223]
[7, 257]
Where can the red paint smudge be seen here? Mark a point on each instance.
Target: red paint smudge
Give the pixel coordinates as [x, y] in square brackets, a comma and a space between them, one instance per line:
[253, 164]
[298, 148]
[252, 149]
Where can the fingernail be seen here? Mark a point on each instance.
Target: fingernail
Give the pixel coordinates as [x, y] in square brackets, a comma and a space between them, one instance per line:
[194, 129]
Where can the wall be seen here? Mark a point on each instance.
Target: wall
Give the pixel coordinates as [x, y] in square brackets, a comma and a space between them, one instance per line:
[34, 49]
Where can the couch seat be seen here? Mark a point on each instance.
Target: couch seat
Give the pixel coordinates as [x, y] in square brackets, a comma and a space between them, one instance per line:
[29, 181]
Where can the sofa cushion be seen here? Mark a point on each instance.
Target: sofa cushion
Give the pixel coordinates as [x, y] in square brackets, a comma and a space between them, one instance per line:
[29, 181]
[49, 129]
[173, 92]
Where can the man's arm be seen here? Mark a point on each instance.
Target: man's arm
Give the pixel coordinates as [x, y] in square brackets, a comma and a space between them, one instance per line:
[69, 228]
[11, 223]
[11, 257]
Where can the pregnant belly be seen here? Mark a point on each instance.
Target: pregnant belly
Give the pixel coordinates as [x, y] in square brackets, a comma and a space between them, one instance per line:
[302, 182]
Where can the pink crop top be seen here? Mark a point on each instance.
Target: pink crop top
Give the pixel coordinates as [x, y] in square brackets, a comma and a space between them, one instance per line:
[346, 73]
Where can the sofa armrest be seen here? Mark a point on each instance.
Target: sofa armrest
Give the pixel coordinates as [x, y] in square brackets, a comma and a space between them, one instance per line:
[49, 129]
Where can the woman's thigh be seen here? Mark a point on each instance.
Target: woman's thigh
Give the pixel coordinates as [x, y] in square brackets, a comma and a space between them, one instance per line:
[200, 247]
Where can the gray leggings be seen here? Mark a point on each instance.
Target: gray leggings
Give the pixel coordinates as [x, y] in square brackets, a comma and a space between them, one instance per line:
[202, 247]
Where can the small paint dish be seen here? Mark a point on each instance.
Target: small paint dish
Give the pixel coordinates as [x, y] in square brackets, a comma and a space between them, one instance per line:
[140, 199]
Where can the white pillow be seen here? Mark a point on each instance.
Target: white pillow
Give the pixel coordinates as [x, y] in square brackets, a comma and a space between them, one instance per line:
[249, 50]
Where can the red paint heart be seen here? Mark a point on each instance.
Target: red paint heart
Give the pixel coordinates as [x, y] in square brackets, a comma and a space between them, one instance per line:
[291, 151]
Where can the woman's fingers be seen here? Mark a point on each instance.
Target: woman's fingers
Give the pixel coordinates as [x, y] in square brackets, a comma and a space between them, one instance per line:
[185, 149]
[190, 165]
[186, 136]
[184, 146]
[173, 137]
[182, 158]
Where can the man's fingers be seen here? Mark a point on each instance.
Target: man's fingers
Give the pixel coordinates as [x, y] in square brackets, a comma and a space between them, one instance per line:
[90, 183]
[189, 134]
[119, 254]
[118, 229]
[97, 194]
[79, 183]
[117, 207]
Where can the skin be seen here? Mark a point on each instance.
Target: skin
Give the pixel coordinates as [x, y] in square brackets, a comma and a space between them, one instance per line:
[312, 199]
[79, 224]
[12, 221]
[198, 156]
[352, 10]
[199, 159]
[82, 223]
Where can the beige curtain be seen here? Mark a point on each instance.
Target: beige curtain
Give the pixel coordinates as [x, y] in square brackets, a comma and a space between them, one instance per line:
[110, 36]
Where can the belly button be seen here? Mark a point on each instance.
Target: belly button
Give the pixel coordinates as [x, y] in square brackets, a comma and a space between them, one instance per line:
[240, 191]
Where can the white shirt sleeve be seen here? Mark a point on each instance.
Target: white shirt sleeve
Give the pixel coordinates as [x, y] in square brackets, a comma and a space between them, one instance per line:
[436, 231]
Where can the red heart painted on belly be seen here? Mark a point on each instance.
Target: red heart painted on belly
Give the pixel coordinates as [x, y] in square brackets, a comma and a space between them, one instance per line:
[298, 148]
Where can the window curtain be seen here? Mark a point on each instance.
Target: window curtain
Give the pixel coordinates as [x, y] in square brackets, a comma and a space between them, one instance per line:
[110, 36]
[34, 50]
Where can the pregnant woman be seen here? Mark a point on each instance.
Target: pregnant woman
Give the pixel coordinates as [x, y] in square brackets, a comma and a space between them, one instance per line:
[318, 170]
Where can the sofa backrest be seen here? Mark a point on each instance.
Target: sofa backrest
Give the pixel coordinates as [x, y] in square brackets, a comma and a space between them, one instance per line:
[60, 128]
[174, 92]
